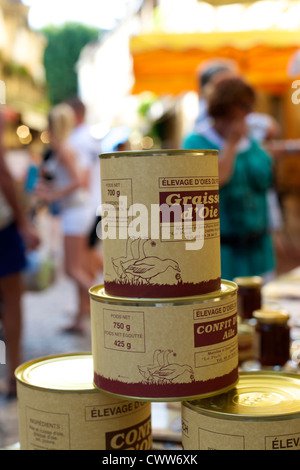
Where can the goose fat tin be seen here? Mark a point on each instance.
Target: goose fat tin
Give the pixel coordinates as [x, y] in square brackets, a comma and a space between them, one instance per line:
[160, 223]
[262, 412]
[165, 349]
[60, 409]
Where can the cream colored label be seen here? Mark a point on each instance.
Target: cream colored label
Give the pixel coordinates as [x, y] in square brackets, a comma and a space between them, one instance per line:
[47, 430]
[88, 421]
[160, 225]
[165, 351]
[201, 432]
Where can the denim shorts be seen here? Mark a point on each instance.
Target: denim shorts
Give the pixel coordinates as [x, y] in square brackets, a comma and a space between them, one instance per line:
[12, 251]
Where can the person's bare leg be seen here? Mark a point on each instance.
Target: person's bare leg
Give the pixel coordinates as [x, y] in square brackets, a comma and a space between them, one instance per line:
[75, 262]
[93, 263]
[11, 288]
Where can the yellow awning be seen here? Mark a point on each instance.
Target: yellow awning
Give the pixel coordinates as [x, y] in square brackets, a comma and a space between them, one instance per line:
[166, 63]
[209, 41]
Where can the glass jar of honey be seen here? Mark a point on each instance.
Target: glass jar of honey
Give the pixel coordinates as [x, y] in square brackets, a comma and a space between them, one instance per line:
[249, 296]
[272, 349]
[272, 337]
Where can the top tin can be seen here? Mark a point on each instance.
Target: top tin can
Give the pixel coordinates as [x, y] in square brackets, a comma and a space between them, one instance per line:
[160, 223]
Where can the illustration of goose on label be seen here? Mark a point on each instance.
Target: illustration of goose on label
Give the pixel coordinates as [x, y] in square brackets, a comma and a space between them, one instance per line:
[162, 370]
[134, 251]
[136, 266]
[149, 267]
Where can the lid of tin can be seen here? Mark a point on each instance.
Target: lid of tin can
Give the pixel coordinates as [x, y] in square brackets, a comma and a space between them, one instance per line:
[257, 395]
[73, 372]
[159, 152]
[266, 315]
[251, 282]
[227, 288]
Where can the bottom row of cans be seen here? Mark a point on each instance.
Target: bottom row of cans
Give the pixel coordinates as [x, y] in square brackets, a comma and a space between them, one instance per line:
[60, 408]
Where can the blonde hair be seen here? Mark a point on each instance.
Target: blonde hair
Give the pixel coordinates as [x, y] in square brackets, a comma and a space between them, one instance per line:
[61, 121]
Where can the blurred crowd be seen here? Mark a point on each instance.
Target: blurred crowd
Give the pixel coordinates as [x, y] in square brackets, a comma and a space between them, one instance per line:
[67, 183]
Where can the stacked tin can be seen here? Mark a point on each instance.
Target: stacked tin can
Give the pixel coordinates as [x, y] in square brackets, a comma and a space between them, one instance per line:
[164, 324]
[261, 413]
[59, 408]
[164, 327]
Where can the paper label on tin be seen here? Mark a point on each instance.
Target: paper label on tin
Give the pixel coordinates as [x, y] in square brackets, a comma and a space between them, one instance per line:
[88, 421]
[165, 351]
[160, 229]
[203, 432]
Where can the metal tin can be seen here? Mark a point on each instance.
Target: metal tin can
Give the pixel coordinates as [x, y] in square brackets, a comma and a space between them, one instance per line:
[166, 349]
[160, 223]
[60, 409]
[261, 413]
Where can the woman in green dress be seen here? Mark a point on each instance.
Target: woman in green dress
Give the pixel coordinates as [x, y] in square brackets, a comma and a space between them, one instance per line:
[245, 175]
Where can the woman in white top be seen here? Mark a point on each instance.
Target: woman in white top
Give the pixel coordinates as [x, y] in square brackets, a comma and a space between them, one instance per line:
[70, 188]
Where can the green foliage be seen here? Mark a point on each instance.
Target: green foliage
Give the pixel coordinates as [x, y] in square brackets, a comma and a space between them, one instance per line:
[61, 55]
[12, 68]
